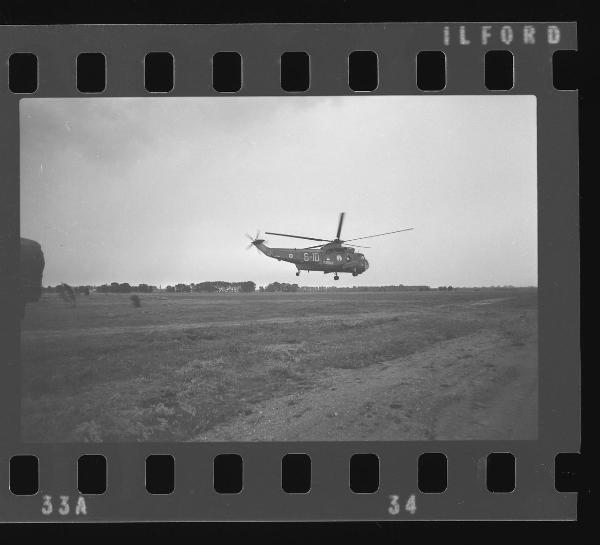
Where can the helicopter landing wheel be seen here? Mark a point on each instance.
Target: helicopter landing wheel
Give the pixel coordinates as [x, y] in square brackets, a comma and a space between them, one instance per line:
[297, 273]
[336, 277]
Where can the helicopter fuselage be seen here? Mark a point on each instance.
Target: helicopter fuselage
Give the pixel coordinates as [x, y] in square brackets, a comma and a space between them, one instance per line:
[330, 258]
[335, 256]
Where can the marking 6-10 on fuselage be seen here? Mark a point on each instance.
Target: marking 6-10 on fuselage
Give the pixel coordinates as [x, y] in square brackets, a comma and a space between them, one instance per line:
[331, 256]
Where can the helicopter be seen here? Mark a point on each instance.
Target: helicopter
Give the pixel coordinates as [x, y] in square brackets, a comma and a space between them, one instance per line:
[331, 256]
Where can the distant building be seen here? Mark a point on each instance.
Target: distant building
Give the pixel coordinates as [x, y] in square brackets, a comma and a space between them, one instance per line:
[229, 289]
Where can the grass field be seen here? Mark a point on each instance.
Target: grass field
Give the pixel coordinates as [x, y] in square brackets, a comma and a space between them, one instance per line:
[183, 364]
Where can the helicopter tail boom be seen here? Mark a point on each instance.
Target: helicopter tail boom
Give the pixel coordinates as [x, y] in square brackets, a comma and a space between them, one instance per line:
[260, 245]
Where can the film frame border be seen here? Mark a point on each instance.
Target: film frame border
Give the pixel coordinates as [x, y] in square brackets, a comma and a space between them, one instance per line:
[330, 497]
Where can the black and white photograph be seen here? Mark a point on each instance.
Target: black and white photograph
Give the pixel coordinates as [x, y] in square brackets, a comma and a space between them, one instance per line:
[298, 268]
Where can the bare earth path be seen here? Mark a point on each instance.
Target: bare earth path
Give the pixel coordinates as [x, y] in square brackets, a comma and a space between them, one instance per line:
[476, 387]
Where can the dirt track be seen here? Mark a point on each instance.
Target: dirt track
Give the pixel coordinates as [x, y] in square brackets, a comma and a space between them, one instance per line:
[477, 387]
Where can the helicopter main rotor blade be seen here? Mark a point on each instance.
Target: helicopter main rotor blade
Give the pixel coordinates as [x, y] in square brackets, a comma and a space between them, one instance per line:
[341, 222]
[356, 245]
[297, 236]
[341, 244]
[379, 235]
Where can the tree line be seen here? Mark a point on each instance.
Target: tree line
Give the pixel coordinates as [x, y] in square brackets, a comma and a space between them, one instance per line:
[113, 287]
[214, 286]
[124, 287]
[280, 286]
[399, 287]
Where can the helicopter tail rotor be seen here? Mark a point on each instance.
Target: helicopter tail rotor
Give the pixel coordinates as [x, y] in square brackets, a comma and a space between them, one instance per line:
[254, 241]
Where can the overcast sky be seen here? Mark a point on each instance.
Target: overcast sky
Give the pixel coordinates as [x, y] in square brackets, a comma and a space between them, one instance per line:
[162, 190]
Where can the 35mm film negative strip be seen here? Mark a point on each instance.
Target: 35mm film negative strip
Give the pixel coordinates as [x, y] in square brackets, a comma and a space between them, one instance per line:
[421, 362]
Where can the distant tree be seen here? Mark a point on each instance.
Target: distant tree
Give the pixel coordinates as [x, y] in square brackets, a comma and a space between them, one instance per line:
[170, 289]
[204, 287]
[125, 287]
[182, 288]
[277, 287]
[247, 287]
